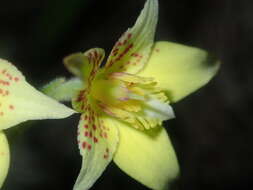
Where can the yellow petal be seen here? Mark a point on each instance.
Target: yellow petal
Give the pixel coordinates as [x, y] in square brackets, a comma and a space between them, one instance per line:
[85, 66]
[97, 139]
[130, 78]
[179, 69]
[132, 50]
[20, 102]
[147, 156]
[4, 158]
[155, 111]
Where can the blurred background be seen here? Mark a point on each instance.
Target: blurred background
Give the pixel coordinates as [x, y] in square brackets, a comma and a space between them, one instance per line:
[212, 133]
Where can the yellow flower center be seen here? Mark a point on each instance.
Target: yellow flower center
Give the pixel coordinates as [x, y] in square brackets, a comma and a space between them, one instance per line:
[110, 92]
[127, 97]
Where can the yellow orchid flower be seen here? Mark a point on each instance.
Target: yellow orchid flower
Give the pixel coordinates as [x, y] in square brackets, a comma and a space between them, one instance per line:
[124, 103]
[20, 102]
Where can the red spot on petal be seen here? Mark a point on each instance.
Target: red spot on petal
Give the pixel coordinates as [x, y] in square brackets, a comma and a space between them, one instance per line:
[16, 79]
[95, 139]
[84, 145]
[86, 133]
[11, 107]
[124, 42]
[129, 35]
[94, 127]
[96, 53]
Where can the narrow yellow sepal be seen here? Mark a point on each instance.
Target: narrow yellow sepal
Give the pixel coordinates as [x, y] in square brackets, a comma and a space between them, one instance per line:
[4, 158]
[20, 102]
[132, 50]
[179, 69]
[147, 156]
[98, 139]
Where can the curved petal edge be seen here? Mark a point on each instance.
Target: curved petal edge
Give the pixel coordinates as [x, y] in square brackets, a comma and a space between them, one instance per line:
[180, 70]
[4, 158]
[147, 156]
[19, 101]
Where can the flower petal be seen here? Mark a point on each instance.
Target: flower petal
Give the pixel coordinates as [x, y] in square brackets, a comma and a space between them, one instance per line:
[156, 109]
[147, 156]
[179, 69]
[20, 102]
[4, 157]
[85, 65]
[97, 138]
[132, 50]
[63, 90]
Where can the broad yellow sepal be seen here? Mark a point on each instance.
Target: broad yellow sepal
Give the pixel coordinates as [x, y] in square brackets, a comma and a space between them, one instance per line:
[4, 158]
[147, 156]
[179, 69]
[20, 102]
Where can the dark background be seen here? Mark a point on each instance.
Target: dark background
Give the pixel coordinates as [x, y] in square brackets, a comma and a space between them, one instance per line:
[212, 133]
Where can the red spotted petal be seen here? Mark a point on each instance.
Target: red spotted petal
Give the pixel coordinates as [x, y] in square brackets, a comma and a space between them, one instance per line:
[85, 65]
[20, 102]
[132, 50]
[97, 139]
